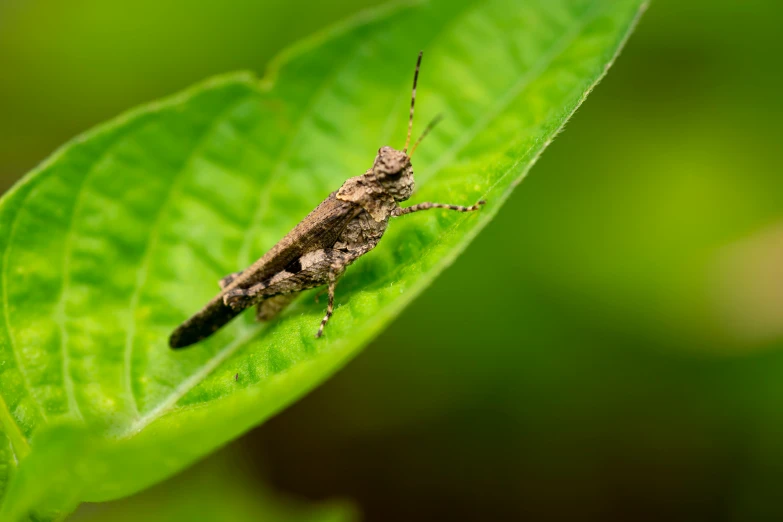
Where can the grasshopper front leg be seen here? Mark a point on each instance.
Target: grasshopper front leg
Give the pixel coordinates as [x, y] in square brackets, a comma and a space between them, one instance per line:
[399, 211]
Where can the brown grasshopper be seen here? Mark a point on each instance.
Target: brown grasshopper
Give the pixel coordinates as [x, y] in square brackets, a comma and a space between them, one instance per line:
[344, 227]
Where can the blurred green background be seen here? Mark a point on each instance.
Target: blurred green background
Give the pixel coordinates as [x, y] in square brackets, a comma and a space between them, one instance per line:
[610, 348]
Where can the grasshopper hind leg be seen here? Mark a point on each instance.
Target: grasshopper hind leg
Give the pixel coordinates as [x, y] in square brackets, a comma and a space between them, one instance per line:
[270, 308]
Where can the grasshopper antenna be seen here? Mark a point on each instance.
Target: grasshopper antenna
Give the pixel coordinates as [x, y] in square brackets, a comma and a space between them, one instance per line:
[413, 102]
[437, 119]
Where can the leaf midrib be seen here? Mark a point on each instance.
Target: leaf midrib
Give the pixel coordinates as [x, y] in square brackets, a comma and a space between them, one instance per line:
[213, 362]
[17, 432]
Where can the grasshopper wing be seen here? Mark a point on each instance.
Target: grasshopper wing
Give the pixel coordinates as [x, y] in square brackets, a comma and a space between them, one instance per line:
[320, 229]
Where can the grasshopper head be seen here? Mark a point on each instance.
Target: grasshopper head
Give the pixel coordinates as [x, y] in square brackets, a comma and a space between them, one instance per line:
[392, 169]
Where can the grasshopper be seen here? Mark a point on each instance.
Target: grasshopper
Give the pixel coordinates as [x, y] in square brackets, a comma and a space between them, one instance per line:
[345, 226]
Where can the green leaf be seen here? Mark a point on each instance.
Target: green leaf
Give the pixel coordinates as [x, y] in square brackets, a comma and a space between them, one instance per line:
[125, 231]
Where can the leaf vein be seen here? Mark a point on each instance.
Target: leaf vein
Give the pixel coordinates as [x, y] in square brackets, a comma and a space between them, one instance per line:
[11, 341]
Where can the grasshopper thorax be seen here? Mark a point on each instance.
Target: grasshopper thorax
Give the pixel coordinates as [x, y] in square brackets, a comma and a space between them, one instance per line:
[392, 169]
